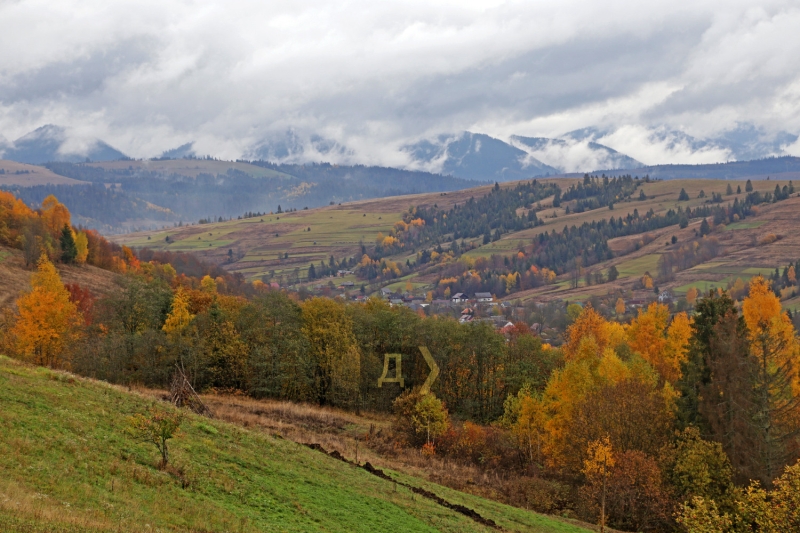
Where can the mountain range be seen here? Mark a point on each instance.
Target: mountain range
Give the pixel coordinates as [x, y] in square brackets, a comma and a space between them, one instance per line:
[52, 143]
[465, 155]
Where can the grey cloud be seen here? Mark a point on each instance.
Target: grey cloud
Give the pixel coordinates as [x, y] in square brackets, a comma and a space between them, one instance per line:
[356, 83]
[78, 79]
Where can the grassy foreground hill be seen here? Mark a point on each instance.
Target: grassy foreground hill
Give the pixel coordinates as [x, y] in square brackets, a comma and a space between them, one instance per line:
[67, 464]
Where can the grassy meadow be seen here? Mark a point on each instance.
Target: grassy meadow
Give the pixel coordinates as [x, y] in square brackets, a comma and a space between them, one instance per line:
[68, 464]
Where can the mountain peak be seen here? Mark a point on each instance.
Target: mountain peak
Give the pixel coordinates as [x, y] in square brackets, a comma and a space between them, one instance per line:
[476, 156]
[51, 143]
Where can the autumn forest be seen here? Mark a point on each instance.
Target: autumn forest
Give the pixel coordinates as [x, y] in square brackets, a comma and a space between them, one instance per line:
[652, 421]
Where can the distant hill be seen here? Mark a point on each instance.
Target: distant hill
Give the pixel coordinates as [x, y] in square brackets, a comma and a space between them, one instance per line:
[475, 156]
[777, 167]
[14, 174]
[182, 151]
[574, 155]
[49, 143]
[144, 194]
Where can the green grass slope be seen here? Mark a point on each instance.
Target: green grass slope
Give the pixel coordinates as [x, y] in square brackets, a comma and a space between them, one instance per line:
[68, 464]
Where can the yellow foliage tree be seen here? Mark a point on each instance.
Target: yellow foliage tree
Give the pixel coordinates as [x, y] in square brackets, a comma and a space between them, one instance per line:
[82, 245]
[48, 321]
[179, 316]
[791, 275]
[591, 324]
[208, 285]
[664, 348]
[334, 350]
[647, 281]
[599, 460]
[620, 306]
[677, 348]
[529, 427]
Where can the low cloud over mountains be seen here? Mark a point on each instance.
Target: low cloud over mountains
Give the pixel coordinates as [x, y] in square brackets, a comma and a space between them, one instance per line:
[467, 155]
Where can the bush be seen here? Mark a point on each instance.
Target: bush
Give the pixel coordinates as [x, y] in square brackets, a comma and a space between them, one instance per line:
[421, 418]
[157, 427]
[538, 494]
[768, 239]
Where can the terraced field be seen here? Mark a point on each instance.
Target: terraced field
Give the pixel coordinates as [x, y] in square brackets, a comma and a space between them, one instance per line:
[290, 242]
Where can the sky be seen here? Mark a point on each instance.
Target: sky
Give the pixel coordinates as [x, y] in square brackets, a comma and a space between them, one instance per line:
[146, 76]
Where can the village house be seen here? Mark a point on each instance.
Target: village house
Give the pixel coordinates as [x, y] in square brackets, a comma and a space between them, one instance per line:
[483, 297]
[665, 297]
[459, 298]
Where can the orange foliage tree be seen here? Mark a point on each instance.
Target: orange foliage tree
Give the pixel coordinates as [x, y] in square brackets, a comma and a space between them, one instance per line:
[55, 215]
[776, 383]
[664, 347]
[14, 215]
[48, 320]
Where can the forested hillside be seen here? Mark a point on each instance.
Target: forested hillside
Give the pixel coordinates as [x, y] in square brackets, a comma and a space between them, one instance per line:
[786, 167]
[667, 415]
[151, 194]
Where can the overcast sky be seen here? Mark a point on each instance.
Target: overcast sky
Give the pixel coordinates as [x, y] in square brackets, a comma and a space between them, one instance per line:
[149, 75]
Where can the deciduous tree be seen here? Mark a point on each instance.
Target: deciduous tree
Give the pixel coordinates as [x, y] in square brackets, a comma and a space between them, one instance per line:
[333, 348]
[48, 321]
[157, 427]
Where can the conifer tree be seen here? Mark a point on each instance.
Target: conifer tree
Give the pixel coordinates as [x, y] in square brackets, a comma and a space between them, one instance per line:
[69, 252]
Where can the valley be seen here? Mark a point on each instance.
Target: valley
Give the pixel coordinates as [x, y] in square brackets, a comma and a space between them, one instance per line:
[280, 247]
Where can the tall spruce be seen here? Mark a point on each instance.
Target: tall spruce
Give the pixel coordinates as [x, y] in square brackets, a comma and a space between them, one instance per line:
[695, 371]
[69, 251]
[726, 402]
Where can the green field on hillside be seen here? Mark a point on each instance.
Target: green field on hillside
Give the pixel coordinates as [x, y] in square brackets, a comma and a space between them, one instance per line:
[745, 224]
[637, 267]
[311, 236]
[68, 463]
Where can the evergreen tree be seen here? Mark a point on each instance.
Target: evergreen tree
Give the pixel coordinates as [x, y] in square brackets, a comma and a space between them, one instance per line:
[69, 251]
[748, 187]
[705, 228]
[726, 401]
[695, 371]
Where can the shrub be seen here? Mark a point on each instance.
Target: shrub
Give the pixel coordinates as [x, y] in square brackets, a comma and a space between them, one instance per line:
[157, 427]
[421, 418]
[768, 239]
[538, 494]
